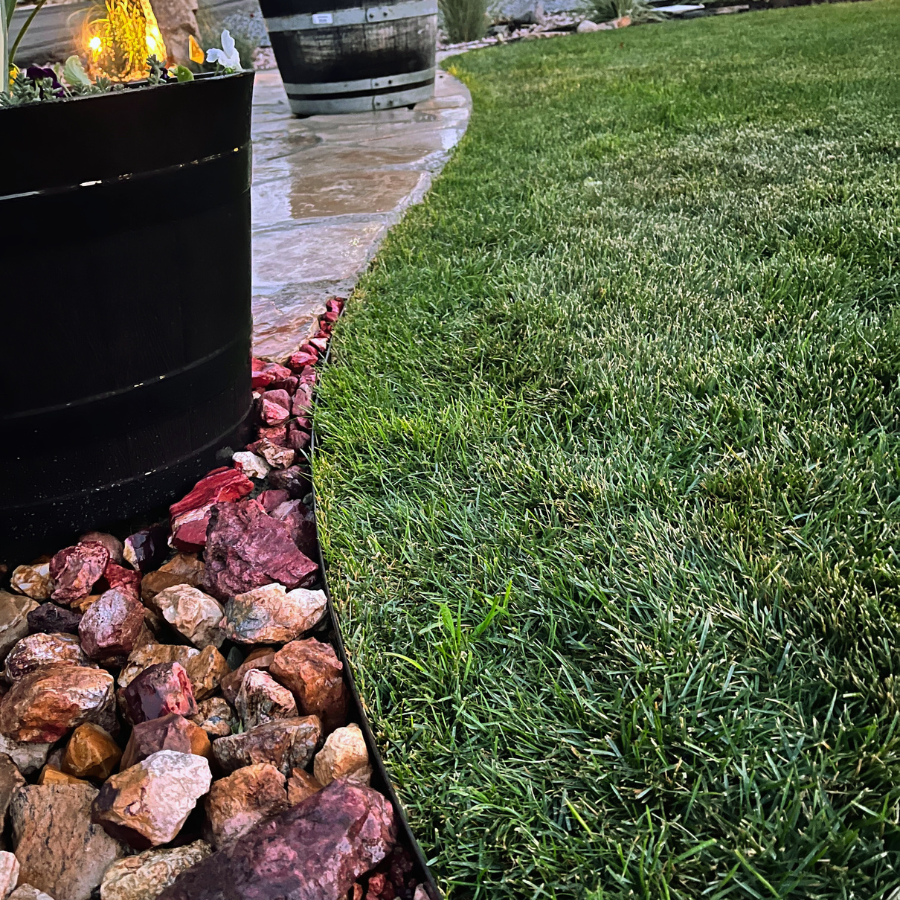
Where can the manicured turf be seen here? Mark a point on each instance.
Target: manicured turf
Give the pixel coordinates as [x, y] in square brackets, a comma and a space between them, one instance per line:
[612, 464]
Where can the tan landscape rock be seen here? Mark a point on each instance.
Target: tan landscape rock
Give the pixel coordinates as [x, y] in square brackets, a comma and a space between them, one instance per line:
[38, 650]
[272, 614]
[147, 804]
[192, 613]
[27, 758]
[28, 892]
[14, 609]
[34, 581]
[206, 671]
[343, 756]
[59, 850]
[11, 780]
[300, 786]
[215, 717]
[146, 875]
[112, 625]
[236, 803]
[262, 699]
[44, 705]
[52, 775]
[312, 672]
[184, 568]
[285, 743]
[260, 658]
[91, 753]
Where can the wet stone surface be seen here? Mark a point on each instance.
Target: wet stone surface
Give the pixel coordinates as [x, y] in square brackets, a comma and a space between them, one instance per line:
[325, 191]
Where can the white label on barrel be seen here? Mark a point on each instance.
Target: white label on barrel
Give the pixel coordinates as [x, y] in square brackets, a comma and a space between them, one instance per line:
[322, 19]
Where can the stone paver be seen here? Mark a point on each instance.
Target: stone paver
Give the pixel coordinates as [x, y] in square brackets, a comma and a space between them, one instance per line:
[325, 191]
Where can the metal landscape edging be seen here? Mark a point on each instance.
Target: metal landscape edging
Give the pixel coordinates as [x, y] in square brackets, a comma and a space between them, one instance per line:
[381, 779]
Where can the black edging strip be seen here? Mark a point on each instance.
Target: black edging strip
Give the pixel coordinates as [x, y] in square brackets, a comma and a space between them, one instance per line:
[381, 777]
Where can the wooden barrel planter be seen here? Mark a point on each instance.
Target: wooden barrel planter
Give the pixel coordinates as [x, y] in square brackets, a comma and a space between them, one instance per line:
[125, 265]
[336, 56]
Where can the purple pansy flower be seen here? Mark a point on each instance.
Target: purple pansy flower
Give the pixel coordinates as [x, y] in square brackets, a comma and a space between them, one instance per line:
[36, 73]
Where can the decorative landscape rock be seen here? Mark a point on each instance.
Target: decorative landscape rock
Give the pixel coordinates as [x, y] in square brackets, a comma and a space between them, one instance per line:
[260, 658]
[314, 851]
[206, 671]
[170, 732]
[14, 610]
[121, 579]
[246, 549]
[146, 550]
[59, 850]
[52, 775]
[38, 650]
[302, 523]
[146, 875]
[9, 873]
[236, 803]
[112, 626]
[159, 690]
[285, 743]
[147, 804]
[27, 757]
[262, 699]
[28, 892]
[343, 756]
[190, 515]
[184, 568]
[276, 456]
[192, 613]
[311, 671]
[10, 781]
[114, 547]
[48, 618]
[270, 614]
[34, 581]
[300, 786]
[43, 705]
[293, 480]
[250, 464]
[264, 373]
[215, 717]
[91, 753]
[153, 654]
[76, 570]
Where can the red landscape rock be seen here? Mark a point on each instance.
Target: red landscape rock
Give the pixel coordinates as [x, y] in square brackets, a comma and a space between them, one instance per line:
[190, 515]
[44, 705]
[303, 358]
[38, 650]
[269, 500]
[302, 523]
[113, 545]
[293, 480]
[49, 618]
[277, 435]
[147, 549]
[264, 373]
[302, 401]
[319, 343]
[170, 732]
[111, 626]
[311, 671]
[236, 803]
[116, 577]
[288, 383]
[313, 851]
[147, 804]
[77, 569]
[162, 689]
[298, 438]
[284, 743]
[246, 548]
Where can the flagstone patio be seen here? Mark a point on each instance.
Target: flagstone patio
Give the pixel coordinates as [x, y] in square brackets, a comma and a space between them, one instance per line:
[325, 191]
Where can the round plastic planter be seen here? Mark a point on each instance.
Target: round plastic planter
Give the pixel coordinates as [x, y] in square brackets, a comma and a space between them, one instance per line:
[125, 291]
[337, 56]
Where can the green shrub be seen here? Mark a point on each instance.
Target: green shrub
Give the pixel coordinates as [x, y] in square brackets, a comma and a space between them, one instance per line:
[639, 11]
[464, 20]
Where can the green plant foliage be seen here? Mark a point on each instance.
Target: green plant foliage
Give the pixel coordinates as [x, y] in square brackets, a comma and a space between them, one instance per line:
[635, 365]
[464, 20]
[639, 11]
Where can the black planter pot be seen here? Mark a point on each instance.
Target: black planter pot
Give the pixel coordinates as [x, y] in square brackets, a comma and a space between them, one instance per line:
[125, 300]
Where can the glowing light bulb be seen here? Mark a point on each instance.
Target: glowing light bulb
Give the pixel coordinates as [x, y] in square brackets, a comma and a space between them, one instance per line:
[95, 44]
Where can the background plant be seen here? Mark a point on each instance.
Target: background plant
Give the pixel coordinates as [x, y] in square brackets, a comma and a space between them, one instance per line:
[464, 20]
[639, 11]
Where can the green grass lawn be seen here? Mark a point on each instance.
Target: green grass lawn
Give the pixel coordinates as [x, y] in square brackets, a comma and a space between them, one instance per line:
[612, 464]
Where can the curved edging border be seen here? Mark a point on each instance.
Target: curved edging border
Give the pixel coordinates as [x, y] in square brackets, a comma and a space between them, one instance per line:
[381, 778]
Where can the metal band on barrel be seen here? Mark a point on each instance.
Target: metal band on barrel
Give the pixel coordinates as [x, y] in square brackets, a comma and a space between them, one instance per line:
[365, 15]
[362, 84]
